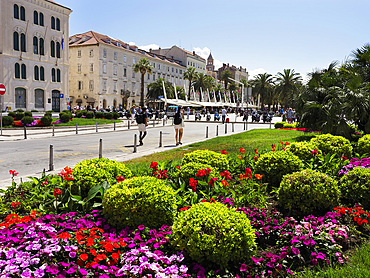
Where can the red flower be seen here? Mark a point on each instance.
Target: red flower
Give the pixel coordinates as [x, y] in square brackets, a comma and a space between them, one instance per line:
[226, 175]
[273, 148]
[193, 184]
[255, 158]
[242, 150]
[45, 183]
[256, 151]
[84, 256]
[239, 156]
[314, 152]
[66, 174]
[258, 176]
[57, 192]
[344, 158]
[225, 183]
[120, 178]
[178, 167]
[16, 205]
[184, 208]
[287, 143]
[154, 165]
[115, 256]
[212, 181]
[13, 173]
[223, 152]
[161, 174]
[281, 142]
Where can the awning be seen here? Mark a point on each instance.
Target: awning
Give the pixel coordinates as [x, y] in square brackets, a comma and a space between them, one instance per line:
[90, 99]
[79, 100]
[180, 102]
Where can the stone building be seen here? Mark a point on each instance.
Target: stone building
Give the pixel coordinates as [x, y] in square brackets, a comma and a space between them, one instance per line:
[210, 67]
[238, 73]
[101, 71]
[33, 55]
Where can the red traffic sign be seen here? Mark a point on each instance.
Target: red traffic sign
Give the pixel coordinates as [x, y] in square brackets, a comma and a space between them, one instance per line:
[2, 89]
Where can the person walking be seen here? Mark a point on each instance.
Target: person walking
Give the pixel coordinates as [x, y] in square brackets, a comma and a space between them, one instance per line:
[223, 113]
[188, 112]
[132, 112]
[179, 125]
[142, 123]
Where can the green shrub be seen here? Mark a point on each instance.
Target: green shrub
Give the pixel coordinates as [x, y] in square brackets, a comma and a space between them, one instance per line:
[294, 125]
[90, 115]
[79, 114]
[12, 114]
[65, 117]
[274, 165]
[7, 120]
[140, 201]
[364, 145]
[48, 113]
[115, 115]
[19, 111]
[46, 120]
[99, 115]
[19, 116]
[27, 120]
[330, 144]
[303, 150]
[91, 172]
[34, 111]
[355, 187]
[189, 170]
[216, 160]
[108, 116]
[308, 192]
[279, 124]
[214, 235]
[28, 113]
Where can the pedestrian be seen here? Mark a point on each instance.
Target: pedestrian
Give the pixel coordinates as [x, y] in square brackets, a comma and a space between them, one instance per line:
[223, 113]
[188, 112]
[290, 114]
[179, 125]
[132, 112]
[142, 123]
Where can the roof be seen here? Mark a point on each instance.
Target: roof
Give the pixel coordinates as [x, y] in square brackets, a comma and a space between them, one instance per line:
[210, 56]
[53, 2]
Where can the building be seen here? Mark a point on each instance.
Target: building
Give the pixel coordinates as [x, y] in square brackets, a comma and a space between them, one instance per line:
[237, 73]
[210, 67]
[33, 57]
[101, 71]
[187, 59]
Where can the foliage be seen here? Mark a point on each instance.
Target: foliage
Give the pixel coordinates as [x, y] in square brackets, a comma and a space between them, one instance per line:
[295, 188]
[46, 120]
[27, 120]
[92, 172]
[364, 145]
[99, 115]
[90, 115]
[274, 165]
[330, 144]
[355, 187]
[355, 162]
[7, 120]
[216, 160]
[213, 234]
[28, 113]
[18, 116]
[279, 124]
[189, 170]
[12, 114]
[304, 150]
[140, 201]
[65, 117]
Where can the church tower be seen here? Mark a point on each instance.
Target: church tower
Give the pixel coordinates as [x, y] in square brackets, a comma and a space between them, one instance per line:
[210, 66]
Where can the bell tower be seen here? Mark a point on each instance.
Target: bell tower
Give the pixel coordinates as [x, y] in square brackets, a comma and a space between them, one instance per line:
[210, 66]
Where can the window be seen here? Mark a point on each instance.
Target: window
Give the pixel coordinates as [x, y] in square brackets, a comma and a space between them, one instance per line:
[35, 18]
[23, 13]
[20, 98]
[172, 69]
[115, 86]
[159, 66]
[41, 21]
[148, 76]
[42, 74]
[104, 53]
[168, 68]
[16, 41]
[39, 98]
[36, 73]
[16, 11]
[53, 22]
[176, 70]
[91, 67]
[133, 60]
[124, 72]
[80, 85]
[53, 75]
[91, 85]
[79, 53]
[104, 84]
[58, 75]
[23, 42]
[41, 46]
[58, 24]
[124, 58]
[133, 74]
[23, 71]
[58, 49]
[153, 65]
[79, 68]
[115, 55]
[35, 45]
[115, 70]
[180, 71]
[153, 76]
[104, 68]
[52, 49]
[91, 53]
[17, 71]
[133, 87]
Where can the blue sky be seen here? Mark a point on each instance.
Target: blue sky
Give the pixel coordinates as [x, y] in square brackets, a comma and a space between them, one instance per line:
[261, 35]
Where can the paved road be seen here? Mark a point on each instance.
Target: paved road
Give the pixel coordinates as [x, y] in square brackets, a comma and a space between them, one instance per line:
[30, 157]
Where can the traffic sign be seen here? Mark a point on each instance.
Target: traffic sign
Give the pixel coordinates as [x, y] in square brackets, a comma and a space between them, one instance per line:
[2, 89]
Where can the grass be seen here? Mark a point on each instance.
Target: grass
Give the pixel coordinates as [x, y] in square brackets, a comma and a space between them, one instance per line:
[261, 139]
[84, 121]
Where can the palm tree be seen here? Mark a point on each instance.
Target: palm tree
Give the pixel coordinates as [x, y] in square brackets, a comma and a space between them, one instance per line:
[288, 84]
[361, 61]
[224, 76]
[143, 66]
[190, 74]
[218, 89]
[262, 85]
[155, 89]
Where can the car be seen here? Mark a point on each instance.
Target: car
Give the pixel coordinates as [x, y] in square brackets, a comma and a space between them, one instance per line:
[171, 111]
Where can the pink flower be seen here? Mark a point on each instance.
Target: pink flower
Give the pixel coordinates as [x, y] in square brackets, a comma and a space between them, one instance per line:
[243, 267]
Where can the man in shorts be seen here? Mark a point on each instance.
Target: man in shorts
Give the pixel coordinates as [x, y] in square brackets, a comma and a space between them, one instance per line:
[142, 123]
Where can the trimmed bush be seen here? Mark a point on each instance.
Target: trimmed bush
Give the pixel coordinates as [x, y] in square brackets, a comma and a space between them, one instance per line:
[27, 120]
[214, 235]
[303, 150]
[364, 145]
[330, 144]
[216, 160]
[308, 192]
[79, 114]
[7, 120]
[355, 187]
[99, 115]
[140, 201]
[19, 116]
[190, 169]
[90, 115]
[65, 117]
[28, 113]
[91, 172]
[115, 115]
[46, 120]
[48, 113]
[279, 124]
[19, 111]
[108, 116]
[34, 111]
[12, 114]
[274, 165]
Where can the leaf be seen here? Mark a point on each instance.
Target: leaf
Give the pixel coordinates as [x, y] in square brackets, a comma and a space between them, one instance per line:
[93, 191]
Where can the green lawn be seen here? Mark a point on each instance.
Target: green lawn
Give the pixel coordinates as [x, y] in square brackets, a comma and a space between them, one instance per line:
[84, 121]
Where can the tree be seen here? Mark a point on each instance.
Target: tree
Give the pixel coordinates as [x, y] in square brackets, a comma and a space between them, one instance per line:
[263, 85]
[225, 77]
[155, 89]
[143, 66]
[190, 74]
[361, 61]
[288, 83]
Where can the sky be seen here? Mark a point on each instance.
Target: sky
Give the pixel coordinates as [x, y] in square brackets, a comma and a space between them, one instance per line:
[260, 35]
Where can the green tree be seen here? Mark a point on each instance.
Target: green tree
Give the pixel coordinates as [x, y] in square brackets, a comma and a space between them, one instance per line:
[155, 89]
[288, 84]
[361, 61]
[190, 74]
[262, 85]
[143, 66]
[225, 77]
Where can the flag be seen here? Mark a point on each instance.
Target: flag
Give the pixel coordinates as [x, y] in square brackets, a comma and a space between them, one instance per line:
[62, 40]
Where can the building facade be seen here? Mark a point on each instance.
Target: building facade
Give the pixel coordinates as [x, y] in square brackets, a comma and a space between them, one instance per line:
[238, 73]
[102, 75]
[210, 67]
[34, 59]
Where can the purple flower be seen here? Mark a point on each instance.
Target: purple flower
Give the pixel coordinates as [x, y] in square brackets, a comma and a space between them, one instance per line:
[295, 250]
[243, 267]
[141, 227]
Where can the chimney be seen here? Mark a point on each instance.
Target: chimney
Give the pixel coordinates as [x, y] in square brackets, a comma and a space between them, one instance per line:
[193, 52]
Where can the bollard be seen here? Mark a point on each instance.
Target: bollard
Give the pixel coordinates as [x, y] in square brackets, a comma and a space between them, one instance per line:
[53, 130]
[163, 122]
[135, 142]
[207, 132]
[232, 127]
[246, 126]
[51, 158]
[128, 125]
[76, 129]
[216, 130]
[225, 128]
[114, 125]
[160, 139]
[25, 132]
[96, 126]
[100, 148]
[270, 125]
